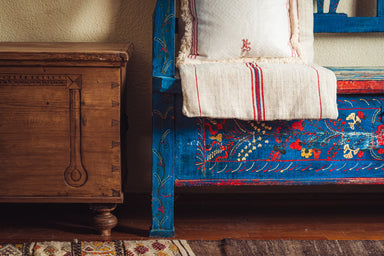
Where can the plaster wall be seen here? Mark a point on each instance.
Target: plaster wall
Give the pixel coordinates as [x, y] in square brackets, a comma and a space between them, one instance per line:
[131, 20]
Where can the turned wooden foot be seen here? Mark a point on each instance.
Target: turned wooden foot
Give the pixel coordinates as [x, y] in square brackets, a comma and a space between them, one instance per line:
[104, 220]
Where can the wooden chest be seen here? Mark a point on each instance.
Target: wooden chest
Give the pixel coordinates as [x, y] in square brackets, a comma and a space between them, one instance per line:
[61, 121]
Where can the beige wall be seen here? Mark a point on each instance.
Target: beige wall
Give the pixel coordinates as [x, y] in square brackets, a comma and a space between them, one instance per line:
[131, 20]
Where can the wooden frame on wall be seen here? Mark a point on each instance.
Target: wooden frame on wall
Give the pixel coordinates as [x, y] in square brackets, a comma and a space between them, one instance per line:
[334, 22]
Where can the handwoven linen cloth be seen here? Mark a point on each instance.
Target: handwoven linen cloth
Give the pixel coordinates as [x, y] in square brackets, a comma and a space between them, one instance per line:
[262, 92]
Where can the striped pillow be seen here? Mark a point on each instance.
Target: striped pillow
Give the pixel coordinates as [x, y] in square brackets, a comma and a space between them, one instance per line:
[226, 30]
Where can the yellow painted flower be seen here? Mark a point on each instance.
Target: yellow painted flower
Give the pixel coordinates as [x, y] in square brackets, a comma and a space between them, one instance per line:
[348, 152]
[306, 153]
[218, 137]
[355, 120]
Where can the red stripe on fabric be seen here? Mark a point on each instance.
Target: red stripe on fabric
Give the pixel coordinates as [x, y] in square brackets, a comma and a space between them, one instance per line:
[194, 49]
[253, 92]
[193, 28]
[297, 6]
[257, 87]
[197, 90]
[318, 86]
[298, 18]
[262, 90]
[197, 31]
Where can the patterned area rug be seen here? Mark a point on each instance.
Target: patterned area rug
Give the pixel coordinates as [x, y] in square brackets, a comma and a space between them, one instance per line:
[106, 248]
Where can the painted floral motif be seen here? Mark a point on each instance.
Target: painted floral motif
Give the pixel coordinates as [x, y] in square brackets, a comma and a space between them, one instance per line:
[306, 153]
[284, 146]
[296, 145]
[355, 120]
[349, 153]
[380, 135]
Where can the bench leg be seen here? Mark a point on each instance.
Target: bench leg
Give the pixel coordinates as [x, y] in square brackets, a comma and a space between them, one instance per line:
[162, 197]
[163, 179]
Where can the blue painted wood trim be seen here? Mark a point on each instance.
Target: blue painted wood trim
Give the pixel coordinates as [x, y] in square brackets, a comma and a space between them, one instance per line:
[343, 24]
[257, 182]
[358, 73]
[163, 57]
[334, 22]
[163, 158]
[380, 8]
[166, 84]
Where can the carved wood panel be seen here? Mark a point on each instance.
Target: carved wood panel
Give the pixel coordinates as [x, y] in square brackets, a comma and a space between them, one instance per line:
[75, 174]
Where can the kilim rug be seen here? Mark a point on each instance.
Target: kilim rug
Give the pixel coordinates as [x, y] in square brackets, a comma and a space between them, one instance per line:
[105, 248]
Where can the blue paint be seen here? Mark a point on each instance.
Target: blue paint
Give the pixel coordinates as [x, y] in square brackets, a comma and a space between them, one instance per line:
[326, 150]
[163, 160]
[196, 152]
[334, 22]
[163, 39]
[163, 72]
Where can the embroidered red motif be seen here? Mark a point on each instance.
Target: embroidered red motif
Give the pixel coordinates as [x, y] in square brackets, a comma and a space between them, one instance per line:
[246, 46]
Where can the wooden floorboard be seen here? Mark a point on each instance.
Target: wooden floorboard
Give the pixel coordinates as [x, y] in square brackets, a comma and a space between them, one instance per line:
[209, 217]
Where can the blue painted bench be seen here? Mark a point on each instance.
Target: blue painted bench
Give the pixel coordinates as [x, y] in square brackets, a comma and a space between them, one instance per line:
[202, 151]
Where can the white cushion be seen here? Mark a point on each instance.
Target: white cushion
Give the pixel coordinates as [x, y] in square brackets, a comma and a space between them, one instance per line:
[305, 17]
[279, 31]
[232, 29]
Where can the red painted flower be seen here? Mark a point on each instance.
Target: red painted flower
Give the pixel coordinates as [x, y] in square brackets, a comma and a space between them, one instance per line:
[278, 130]
[360, 154]
[360, 114]
[298, 125]
[296, 145]
[380, 135]
[380, 151]
[316, 153]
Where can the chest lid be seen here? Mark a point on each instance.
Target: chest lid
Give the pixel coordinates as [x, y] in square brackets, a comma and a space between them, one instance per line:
[65, 54]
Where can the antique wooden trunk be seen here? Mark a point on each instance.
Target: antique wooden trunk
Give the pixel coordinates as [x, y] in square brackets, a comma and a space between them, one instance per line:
[61, 122]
